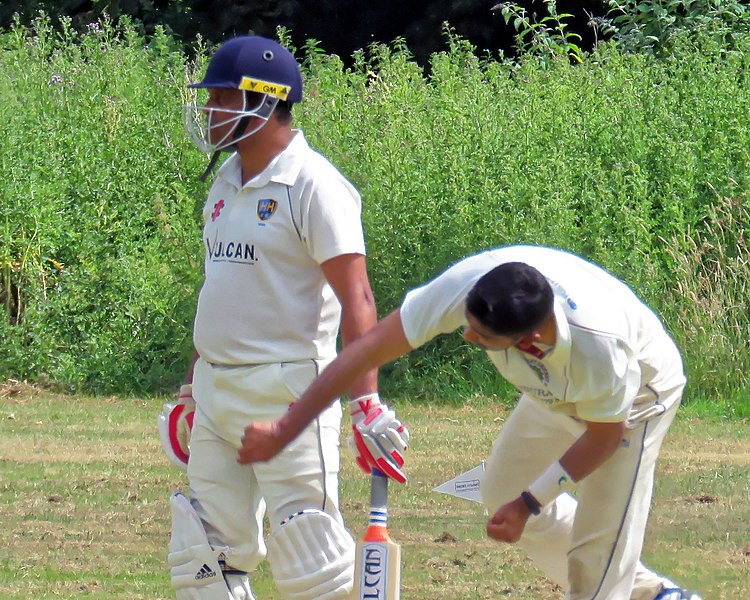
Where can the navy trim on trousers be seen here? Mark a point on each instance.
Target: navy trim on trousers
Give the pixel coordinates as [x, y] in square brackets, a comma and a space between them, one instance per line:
[624, 515]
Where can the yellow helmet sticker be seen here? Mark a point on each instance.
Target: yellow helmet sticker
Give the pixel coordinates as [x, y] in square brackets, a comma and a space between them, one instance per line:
[265, 87]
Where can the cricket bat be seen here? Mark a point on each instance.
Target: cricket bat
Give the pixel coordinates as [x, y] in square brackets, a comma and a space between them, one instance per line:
[377, 570]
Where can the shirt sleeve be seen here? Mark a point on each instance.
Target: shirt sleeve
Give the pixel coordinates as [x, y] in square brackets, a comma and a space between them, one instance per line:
[334, 224]
[438, 306]
[609, 378]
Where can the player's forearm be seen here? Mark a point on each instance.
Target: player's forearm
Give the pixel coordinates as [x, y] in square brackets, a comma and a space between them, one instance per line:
[347, 275]
[356, 320]
[333, 382]
[591, 450]
[382, 344]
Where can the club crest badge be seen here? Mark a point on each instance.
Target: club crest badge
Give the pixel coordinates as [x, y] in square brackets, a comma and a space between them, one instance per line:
[539, 369]
[266, 208]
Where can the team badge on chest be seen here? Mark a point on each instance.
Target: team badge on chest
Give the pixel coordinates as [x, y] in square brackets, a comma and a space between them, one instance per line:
[266, 208]
[538, 368]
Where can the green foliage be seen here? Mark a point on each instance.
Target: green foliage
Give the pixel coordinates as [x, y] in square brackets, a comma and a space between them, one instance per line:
[170, 15]
[605, 158]
[711, 301]
[548, 37]
[652, 26]
[99, 259]
[342, 25]
[609, 157]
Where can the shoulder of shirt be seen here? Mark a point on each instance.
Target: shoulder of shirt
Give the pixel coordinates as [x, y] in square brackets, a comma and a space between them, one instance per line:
[299, 164]
[599, 313]
[317, 175]
[315, 164]
[597, 340]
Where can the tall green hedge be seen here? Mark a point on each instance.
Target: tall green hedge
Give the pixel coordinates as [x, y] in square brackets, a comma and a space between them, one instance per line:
[100, 253]
[629, 160]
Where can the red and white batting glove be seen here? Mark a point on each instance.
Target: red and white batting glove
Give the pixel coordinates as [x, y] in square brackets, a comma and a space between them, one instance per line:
[175, 423]
[359, 408]
[379, 439]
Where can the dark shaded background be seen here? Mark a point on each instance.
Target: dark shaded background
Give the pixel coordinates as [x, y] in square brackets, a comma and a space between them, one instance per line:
[341, 26]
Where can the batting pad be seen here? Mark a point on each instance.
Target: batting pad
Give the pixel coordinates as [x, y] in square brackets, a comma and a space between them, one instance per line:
[312, 557]
[195, 570]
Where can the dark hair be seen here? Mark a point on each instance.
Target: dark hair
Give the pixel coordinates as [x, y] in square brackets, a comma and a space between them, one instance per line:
[283, 111]
[512, 299]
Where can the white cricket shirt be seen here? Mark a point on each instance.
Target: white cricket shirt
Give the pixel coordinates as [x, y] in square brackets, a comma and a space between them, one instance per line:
[265, 298]
[612, 352]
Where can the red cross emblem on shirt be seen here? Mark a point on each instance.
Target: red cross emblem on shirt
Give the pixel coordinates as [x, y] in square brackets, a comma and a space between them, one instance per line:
[217, 209]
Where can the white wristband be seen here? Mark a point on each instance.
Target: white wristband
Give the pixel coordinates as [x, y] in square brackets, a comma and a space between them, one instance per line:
[361, 406]
[550, 484]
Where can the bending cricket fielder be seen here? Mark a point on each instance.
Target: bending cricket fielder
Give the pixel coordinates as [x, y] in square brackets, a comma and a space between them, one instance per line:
[600, 382]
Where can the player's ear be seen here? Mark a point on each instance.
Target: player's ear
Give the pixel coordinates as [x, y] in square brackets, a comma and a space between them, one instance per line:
[528, 339]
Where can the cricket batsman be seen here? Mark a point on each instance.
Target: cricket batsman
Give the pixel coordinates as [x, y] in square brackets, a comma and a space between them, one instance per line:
[284, 271]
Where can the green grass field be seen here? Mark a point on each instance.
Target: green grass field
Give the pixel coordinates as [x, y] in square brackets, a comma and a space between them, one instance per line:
[84, 502]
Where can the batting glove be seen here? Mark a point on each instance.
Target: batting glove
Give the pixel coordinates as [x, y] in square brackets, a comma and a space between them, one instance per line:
[359, 408]
[379, 439]
[175, 423]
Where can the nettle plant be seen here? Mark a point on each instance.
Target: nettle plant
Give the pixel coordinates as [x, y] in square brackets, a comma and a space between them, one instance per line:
[546, 37]
[652, 26]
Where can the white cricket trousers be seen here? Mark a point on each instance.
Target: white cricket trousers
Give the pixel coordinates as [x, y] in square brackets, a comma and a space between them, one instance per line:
[230, 498]
[591, 546]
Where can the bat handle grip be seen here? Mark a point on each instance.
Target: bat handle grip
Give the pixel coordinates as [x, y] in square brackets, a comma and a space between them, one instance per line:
[378, 499]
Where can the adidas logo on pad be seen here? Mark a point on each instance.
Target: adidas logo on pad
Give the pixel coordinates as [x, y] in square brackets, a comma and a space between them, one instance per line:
[205, 572]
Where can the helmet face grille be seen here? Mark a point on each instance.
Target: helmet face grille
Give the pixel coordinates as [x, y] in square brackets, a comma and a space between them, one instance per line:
[254, 58]
[213, 129]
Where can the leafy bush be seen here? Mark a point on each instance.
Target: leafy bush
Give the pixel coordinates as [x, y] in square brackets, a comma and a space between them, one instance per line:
[548, 37]
[711, 302]
[100, 252]
[607, 159]
[653, 26]
[617, 158]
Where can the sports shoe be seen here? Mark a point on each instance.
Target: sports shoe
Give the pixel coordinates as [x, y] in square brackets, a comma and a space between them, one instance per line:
[677, 594]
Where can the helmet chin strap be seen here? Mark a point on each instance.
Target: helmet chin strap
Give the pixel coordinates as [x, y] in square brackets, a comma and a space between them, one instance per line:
[211, 165]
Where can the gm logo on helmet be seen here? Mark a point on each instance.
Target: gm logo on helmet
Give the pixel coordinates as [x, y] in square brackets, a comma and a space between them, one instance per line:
[265, 87]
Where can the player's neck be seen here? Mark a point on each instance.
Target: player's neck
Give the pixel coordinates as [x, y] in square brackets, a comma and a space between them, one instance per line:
[548, 331]
[258, 150]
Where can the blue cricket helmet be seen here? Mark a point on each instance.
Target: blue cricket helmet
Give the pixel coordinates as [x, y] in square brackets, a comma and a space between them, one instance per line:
[256, 64]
